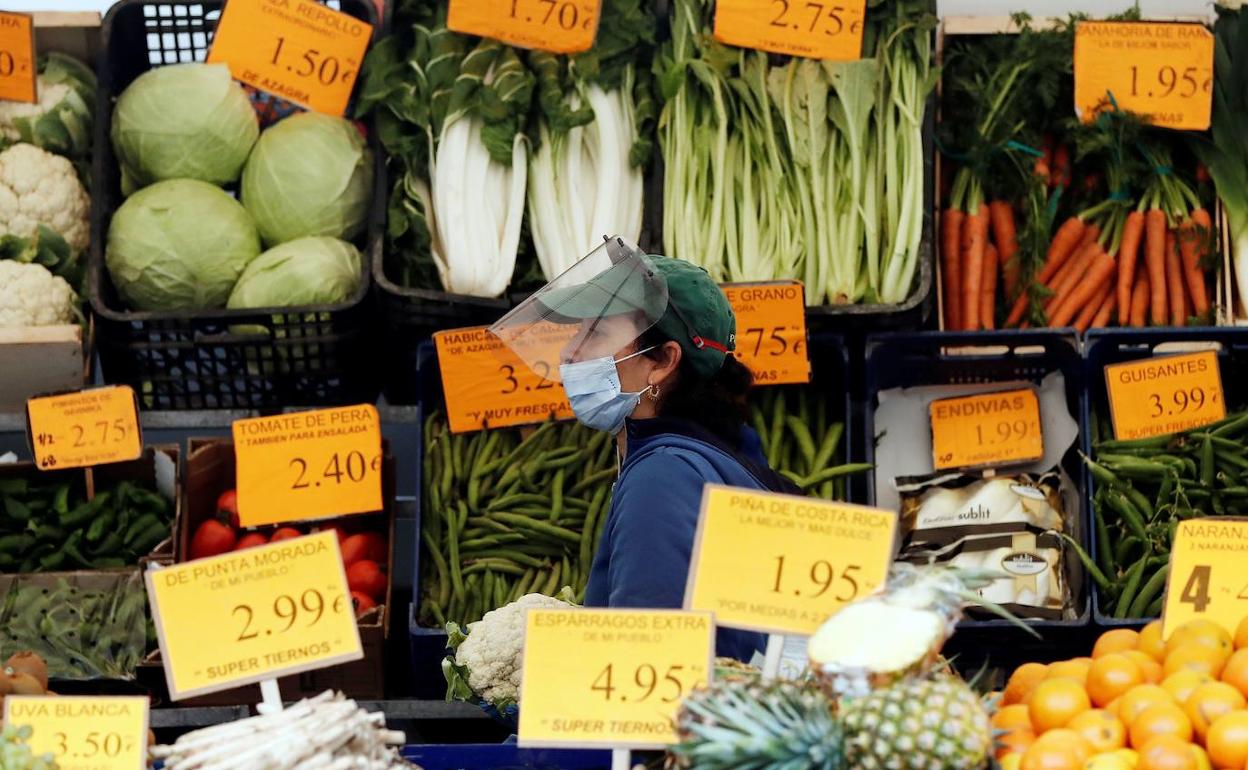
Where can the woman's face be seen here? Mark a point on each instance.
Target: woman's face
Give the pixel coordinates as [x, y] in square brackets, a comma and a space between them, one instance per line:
[616, 337]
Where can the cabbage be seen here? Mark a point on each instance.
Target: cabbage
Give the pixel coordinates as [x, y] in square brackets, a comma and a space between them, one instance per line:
[310, 174]
[305, 271]
[183, 121]
[179, 245]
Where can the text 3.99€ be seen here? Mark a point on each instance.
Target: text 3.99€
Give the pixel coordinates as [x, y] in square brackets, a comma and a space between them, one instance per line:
[1180, 401]
[349, 467]
[286, 610]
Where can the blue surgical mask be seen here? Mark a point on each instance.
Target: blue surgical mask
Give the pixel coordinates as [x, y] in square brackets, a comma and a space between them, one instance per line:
[595, 393]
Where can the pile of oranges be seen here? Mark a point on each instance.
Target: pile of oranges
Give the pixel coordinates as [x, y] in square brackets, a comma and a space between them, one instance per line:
[1139, 703]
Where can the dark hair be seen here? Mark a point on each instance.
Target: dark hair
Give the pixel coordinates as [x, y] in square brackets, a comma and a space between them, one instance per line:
[718, 404]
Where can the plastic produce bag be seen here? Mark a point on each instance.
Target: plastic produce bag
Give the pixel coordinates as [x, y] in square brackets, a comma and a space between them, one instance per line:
[85, 625]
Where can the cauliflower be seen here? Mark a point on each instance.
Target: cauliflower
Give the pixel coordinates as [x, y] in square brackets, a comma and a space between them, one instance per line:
[32, 296]
[61, 120]
[39, 188]
[488, 658]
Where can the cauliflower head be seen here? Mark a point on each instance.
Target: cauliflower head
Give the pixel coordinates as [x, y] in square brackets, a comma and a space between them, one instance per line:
[32, 296]
[492, 651]
[39, 188]
[61, 119]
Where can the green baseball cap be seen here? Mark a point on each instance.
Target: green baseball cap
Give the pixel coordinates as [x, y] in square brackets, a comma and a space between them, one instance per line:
[698, 315]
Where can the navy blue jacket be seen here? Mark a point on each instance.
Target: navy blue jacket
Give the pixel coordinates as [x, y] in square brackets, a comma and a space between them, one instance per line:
[643, 557]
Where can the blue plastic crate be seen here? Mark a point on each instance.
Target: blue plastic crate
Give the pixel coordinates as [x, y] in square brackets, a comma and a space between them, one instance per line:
[1104, 347]
[945, 358]
[504, 756]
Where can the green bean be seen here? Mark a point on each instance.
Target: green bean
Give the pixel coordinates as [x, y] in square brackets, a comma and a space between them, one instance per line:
[1150, 591]
[556, 495]
[1119, 503]
[540, 527]
[805, 443]
[1123, 603]
[1088, 563]
[1206, 462]
[1104, 555]
[831, 473]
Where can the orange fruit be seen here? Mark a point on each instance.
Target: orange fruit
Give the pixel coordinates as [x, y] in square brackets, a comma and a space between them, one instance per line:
[1184, 683]
[1049, 756]
[1197, 657]
[1151, 643]
[1055, 702]
[1110, 676]
[1205, 633]
[1009, 761]
[1022, 682]
[1227, 740]
[1138, 699]
[1162, 719]
[1101, 729]
[1152, 670]
[1241, 634]
[1202, 758]
[1235, 672]
[1076, 669]
[1210, 701]
[1068, 738]
[1012, 717]
[1166, 752]
[1117, 640]
[1014, 742]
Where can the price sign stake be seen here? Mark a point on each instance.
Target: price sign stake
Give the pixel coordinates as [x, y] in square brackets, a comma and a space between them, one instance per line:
[814, 30]
[1207, 577]
[89, 427]
[251, 615]
[1168, 394]
[782, 564]
[486, 385]
[624, 685]
[308, 465]
[771, 330]
[986, 429]
[299, 50]
[1163, 71]
[558, 26]
[84, 733]
[17, 57]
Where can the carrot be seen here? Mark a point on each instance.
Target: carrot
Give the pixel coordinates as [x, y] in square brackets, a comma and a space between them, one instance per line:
[1140, 296]
[1132, 234]
[1064, 243]
[1005, 235]
[1155, 261]
[974, 240]
[1174, 281]
[951, 253]
[1107, 310]
[1099, 304]
[1063, 291]
[1061, 166]
[1063, 275]
[1192, 236]
[1098, 277]
[988, 291]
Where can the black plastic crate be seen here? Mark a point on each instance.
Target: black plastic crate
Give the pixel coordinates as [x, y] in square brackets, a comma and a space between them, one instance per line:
[1104, 347]
[939, 358]
[304, 356]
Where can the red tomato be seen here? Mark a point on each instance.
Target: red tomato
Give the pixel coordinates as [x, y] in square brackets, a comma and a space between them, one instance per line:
[362, 603]
[354, 548]
[285, 533]
[366, 577]
[250, 540]
[377, 550]
[227, 503]
[212, 538]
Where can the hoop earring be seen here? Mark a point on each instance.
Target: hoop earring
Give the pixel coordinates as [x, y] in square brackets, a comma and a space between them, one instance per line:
[653, 392]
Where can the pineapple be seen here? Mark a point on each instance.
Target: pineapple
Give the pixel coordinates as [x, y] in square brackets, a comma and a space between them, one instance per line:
[781, 724]
[918, 723]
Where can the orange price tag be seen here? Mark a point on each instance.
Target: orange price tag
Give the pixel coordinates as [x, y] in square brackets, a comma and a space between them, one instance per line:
[816, 30]
[558, 26]
[1207, 579]
[986, 429]
[89, 427]
[308, 465]
[17, 57]
[771, 330]
[1170, 394]
[487, 386]
[1163, 71]
[299, 50]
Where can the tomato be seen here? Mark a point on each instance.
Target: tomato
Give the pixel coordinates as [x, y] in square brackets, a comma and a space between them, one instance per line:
[362, 603]
[250, 540]
[211, 539]
[227, 503]
[354, 548]
[285, 533]
[377, 550]
[366, 577]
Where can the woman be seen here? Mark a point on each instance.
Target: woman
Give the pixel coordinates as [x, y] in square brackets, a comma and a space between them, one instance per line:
[651, 362]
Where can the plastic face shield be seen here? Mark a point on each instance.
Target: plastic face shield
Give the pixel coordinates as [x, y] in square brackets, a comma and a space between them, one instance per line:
[597, 308]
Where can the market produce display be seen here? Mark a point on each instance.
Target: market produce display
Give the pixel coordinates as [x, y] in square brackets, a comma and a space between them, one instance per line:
[1138, 703]
[800, 440]
[328, 731]
[802, 169]
[16, 755]
[61, 120]
[1052, 222]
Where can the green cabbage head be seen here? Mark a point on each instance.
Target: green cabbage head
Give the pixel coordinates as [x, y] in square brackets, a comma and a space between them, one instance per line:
[183, 121]
[306, 271]
[310, 174]
[179, 245]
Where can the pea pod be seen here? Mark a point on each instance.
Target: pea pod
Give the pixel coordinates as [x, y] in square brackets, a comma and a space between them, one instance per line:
[1133, 575]
[1149, 592]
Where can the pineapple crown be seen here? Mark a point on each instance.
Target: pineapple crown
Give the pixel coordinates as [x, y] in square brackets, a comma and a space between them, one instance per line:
[943, 588]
